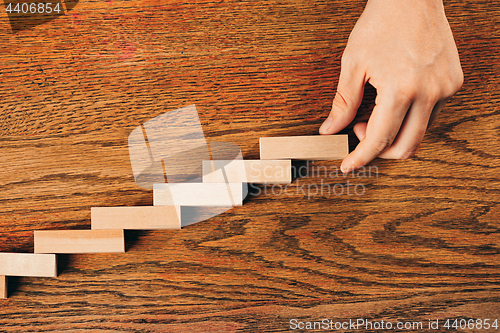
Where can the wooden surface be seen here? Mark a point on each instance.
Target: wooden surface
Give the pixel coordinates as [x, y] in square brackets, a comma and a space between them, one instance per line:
[421, 242]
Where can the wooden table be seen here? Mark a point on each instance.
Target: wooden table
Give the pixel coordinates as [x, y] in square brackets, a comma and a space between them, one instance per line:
[421, 242]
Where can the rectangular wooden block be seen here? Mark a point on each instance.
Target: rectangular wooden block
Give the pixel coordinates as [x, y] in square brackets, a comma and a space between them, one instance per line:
[248, 171]
[199, 194]
[136, 217]
[3, 286]
[28, 264]
[315, 147]
[79, 241]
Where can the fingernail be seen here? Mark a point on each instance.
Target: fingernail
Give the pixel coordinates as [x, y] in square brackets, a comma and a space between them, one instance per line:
[346, 169]
[326, 125]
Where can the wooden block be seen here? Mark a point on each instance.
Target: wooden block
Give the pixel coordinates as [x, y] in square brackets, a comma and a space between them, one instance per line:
[79, 241]
[248, 171]
[199, 194]
[3, 286]
[315, 147]
[136, 217]
[28, 264]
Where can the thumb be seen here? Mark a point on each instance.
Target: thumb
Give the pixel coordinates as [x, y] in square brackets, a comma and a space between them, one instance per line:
[346, 102]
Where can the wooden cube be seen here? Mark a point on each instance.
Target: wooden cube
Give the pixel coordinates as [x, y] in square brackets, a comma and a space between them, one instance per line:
[28, 264]
[3, 286]
[79, 241]
[248, 171]
[199, 194]
[315, 147]
[136, 217]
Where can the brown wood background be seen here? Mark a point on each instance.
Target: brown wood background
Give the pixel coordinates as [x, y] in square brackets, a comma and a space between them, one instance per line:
[422, 242]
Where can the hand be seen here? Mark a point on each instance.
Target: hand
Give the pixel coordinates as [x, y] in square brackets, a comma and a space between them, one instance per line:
[405, 49]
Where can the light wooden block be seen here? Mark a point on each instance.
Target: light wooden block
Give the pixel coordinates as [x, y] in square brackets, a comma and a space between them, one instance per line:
[136, 217]
[79, 241]
[315, 147]
[199, 194]
[3, 286]
[248, 171]
[28, 264]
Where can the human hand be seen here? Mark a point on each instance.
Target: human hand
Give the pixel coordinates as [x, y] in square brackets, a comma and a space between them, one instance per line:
[405, 49]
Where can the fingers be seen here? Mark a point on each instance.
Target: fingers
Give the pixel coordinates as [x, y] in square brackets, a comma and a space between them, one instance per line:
[381, 130]
[360, 130]
[436, 110]
[411, 133]
[347, 100]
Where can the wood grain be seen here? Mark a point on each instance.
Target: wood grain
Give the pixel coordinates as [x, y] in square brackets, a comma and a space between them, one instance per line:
[421, 242]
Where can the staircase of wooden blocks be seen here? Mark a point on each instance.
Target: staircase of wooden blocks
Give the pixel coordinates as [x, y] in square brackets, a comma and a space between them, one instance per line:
[223, 185]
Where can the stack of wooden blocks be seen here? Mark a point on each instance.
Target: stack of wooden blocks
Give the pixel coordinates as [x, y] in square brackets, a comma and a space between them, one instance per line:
[222, 186]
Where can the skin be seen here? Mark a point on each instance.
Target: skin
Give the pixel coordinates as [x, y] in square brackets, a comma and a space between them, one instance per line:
[406, 50]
